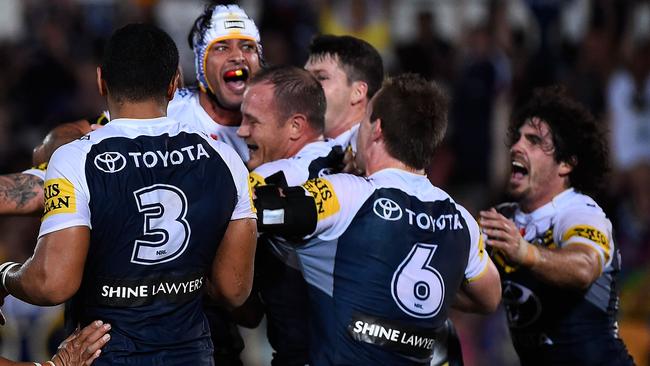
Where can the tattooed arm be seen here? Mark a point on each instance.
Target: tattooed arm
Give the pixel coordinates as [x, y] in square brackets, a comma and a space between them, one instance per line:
[21, 194]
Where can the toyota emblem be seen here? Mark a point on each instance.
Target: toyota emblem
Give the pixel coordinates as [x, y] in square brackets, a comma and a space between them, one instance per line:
[110, 162]
[387, 209]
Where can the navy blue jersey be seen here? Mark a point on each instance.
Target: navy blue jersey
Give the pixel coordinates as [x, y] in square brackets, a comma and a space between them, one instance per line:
[383, 267]
[158, 200]
[558, 326]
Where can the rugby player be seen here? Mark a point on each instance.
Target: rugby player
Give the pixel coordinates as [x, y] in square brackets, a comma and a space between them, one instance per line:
[165, 208]
[283, 121]
[553, 244]
[387, 255]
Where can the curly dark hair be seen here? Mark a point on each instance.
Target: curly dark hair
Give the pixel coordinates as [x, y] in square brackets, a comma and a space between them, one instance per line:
[413, 115]
[578, 139]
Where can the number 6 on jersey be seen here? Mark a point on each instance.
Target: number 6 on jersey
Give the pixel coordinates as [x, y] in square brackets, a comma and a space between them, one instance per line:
[417, 287]
[164, 207]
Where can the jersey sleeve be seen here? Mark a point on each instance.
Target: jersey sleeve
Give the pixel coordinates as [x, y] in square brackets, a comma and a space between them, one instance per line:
[477, 262]
[588, 228]
[338, 198]
[65, 191]
[244, 208]
[37, 171]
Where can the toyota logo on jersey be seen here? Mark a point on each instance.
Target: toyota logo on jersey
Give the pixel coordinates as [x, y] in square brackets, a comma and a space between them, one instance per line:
[387, 209]
[523, 306]
[110, 162]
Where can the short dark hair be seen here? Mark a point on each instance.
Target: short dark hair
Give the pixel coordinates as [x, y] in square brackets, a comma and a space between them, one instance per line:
[295, 91]
[413, 115]
[359, 59]
[578, 139]
[139, 63]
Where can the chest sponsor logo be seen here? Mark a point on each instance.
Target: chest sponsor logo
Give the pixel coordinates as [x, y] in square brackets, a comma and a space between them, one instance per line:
[325, 171]
[390, 210]
[157, 158]
[523, 306]
[59, 197]
[113, 162]
[387, 209]
[110, 162]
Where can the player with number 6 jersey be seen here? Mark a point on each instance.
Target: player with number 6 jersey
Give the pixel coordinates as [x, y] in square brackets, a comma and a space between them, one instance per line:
[390, 253]
[387, 258]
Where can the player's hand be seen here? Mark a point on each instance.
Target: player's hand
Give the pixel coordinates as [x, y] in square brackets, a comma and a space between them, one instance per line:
[83, 346]
[504, 235]
[349, 164]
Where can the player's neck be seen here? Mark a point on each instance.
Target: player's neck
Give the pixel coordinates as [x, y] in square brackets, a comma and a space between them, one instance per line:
[380, 160]
[294, 147]
[531, 203]
[352, 118]
[220, 115]
[137, 110]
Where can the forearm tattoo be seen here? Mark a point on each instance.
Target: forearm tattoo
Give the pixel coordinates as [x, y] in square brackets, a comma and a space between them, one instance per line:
[18, 190]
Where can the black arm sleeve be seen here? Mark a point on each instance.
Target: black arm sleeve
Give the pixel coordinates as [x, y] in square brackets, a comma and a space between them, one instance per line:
[289, 212]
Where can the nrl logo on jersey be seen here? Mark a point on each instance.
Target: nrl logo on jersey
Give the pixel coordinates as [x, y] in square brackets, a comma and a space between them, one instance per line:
[110, 162]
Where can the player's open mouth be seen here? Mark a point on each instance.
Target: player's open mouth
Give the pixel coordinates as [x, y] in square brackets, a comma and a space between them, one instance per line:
[252, 147]
[518, 170]
[236, 75]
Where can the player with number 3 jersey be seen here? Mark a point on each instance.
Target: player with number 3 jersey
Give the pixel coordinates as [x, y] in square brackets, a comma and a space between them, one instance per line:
[142, 217]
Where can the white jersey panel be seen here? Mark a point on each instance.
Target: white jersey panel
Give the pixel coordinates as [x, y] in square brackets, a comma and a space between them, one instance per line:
[185, 107]
[296, 168]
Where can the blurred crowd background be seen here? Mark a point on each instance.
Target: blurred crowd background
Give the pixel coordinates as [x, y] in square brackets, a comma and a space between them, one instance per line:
[488, 54]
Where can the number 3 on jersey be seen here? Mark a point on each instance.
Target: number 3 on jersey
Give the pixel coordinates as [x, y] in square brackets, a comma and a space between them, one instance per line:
[164, 207]
[417, 287]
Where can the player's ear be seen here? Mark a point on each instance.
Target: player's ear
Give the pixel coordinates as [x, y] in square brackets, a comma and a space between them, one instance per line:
[298, 125]
[101, 84]
[566, 167]
[359, 92]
